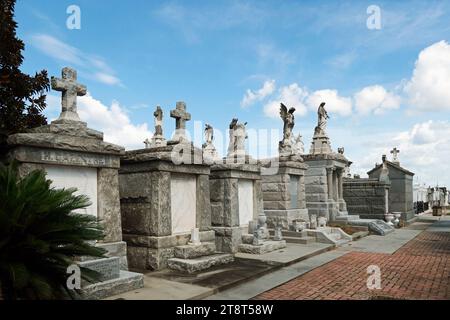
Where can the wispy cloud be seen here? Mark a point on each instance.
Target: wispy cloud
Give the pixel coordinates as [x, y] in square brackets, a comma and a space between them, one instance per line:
[93, 65]
[192, 23]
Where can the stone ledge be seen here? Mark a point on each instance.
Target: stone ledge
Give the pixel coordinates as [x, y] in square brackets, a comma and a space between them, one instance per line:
[267, 247]
[191, 251]
[127, 281]
[198, 264]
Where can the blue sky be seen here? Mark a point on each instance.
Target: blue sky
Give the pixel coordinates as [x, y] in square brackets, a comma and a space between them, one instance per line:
[138, 54]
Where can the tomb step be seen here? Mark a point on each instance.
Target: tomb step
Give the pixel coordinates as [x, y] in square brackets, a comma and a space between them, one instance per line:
[127, 281]
[300, 240]
[200, 263]
[247, 238]
[288, 233]
[267, 246]
[350, 217]
[192, 251]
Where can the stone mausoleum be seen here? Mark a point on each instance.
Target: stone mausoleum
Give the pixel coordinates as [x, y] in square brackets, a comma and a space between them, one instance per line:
[75, 156]
[165, 202]
[324, 176]
[401, 191]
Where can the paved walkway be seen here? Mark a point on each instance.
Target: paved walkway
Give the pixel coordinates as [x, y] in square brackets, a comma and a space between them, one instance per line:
[381, 244]
[420, 269]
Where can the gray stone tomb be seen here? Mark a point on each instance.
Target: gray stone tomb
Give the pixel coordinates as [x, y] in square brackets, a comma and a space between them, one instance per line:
[165, 200]
[283, 180]
[75, 156]
[236, 200]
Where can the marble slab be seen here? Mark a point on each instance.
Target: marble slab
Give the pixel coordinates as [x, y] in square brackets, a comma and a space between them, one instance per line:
[82, 178]
[183, 189]
[245, 202]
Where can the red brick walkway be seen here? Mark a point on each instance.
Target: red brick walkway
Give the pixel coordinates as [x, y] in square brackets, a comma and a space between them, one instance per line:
[418, 270]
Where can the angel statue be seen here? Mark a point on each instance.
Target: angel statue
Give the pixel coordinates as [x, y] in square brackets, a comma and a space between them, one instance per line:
[289, 122]
[322, 119]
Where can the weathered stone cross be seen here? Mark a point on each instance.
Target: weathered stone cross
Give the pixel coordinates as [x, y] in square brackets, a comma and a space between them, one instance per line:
[181, 116]
[395, 153]
[70, 90]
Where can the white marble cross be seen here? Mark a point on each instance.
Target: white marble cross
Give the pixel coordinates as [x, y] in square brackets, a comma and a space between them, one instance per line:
[70, 90]
[181, 116]
[395, 153]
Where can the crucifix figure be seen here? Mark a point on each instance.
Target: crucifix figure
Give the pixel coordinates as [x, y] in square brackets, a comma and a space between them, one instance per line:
[70, 89]
[395, 153]
[181, 116]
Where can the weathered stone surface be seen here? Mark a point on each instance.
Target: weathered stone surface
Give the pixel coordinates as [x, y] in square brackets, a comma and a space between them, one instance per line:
[108, 268]
[127, 281]
[116, 249]
[231, 203]
[64, 157]
[203, 203]
[195, 251]
[199, 264]
[64, 142]
[380, 227]
[267, 246]
[228, 238]
[108, 204]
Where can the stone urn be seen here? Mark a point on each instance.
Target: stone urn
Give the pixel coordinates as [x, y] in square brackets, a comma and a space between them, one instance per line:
[397, 216]
[389, 217]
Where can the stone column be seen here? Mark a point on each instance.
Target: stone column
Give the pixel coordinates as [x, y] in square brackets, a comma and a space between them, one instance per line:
[340, 184]
[335, 185]
[330, 183]
[203, 203]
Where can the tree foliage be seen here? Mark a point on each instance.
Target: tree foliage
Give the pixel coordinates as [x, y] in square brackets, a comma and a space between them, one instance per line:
[22, 97]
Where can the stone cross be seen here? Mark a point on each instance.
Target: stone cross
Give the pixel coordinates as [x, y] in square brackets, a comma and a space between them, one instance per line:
[395, 153]
[70, 90]
[181, 116]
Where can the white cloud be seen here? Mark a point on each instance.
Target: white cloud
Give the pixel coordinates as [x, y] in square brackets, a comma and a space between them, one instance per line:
[375, 99]
[251, 97]
[95, 66]
[334, 102]
[57, 49]
[113, 121]
[429, 87]
[423, 150]
[107, 78]
[292, 96]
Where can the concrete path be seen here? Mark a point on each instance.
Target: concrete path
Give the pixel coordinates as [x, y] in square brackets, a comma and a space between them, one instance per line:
[377, 244]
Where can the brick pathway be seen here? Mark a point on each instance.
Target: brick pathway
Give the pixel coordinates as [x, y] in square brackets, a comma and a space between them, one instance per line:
[418, 270]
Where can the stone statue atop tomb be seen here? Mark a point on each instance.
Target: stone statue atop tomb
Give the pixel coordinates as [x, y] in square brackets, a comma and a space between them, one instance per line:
[299, 146]
[321, 142]
[238, 134]
[70, 89]
[395, 153]
[322, 116]
[158, 114]
[285, 146]
[181, 116]
[209, 151]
